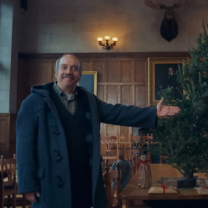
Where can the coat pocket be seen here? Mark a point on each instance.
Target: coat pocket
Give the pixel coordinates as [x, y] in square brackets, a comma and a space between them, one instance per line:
[41, 179]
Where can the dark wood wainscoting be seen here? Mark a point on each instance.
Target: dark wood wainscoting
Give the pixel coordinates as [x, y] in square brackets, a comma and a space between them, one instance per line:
[7, 134]
[122, 77]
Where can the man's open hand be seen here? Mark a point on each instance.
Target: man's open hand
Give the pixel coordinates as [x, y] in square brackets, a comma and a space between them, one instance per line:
[31, 196]
[164, 110]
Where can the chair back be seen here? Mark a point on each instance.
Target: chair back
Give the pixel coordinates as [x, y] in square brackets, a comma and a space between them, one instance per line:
[8, 171]
[112, 184]
[137, 159]
[134, 162]
[134, 139]
[112, 151]
[110, 141]
[132, 166]
[121, 138]
[8, 184]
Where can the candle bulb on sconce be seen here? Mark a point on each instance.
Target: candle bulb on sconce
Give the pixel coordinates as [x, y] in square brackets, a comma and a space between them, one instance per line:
[107, 37]
[115, 39]
[99, 39]
[106, 45]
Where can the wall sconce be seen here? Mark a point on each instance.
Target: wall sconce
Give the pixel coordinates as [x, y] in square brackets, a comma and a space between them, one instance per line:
[106, 45]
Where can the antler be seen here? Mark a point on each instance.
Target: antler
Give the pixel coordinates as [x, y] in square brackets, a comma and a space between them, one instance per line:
[153, 6]
[158, 6]
[179, 4]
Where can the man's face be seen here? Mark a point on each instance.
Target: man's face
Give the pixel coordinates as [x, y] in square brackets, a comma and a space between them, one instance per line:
[68, 74]
[170, 71]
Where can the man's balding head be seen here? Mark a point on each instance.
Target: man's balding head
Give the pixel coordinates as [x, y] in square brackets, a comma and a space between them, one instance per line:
[58, 61]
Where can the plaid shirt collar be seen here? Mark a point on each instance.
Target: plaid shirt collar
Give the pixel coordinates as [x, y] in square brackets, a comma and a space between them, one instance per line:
[69, 97]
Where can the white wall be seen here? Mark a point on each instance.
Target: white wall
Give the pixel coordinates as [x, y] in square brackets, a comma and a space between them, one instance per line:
[58, 26]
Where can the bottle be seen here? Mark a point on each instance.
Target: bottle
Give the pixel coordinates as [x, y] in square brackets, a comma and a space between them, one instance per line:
[145, 177]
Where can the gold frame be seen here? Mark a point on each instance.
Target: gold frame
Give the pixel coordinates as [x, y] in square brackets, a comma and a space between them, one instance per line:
[95, 79]
[151, 74]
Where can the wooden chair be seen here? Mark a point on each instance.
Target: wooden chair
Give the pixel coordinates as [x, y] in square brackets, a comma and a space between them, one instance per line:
[112, 151]
[162, 158]
[135, 139]
[134, 161]
[21, 201]
[139, 139]
[121, 139]
[130, 160]
[137, 159]
[112, 185]
[8, 181]
[121, 146]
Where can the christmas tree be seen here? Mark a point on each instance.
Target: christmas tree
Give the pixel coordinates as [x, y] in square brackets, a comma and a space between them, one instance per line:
[183, 139]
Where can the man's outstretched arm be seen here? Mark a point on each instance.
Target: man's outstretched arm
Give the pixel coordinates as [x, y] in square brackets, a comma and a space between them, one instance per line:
[134, 116]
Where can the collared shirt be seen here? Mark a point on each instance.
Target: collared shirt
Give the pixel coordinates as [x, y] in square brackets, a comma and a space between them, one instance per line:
[69, 100]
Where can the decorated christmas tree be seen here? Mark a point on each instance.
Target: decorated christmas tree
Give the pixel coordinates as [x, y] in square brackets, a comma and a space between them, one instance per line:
[183, 139]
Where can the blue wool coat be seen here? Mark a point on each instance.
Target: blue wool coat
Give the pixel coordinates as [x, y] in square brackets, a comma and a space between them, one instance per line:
[40, 135]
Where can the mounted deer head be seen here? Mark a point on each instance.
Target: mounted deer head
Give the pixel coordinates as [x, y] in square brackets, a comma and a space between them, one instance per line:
[169, 26]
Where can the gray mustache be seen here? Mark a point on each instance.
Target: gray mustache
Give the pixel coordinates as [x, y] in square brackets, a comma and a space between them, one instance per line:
[68, 76]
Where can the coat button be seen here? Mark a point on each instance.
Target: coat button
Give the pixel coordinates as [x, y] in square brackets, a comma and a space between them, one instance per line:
[56, 132]
[59, 180]
[58, 155]
[59, 158]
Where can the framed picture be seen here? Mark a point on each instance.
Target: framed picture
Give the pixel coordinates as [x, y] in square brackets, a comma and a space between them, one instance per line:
[161, 74]
[89, 81]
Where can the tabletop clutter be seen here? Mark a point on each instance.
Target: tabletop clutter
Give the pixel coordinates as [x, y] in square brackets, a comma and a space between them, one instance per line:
[145, 181]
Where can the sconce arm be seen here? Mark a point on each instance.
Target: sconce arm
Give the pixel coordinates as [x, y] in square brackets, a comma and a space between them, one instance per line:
[100, 43]
[114, 43]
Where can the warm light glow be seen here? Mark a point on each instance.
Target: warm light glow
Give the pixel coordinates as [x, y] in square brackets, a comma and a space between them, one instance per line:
[115, 39]
[107, 37]
[107, 44]
[99, 39]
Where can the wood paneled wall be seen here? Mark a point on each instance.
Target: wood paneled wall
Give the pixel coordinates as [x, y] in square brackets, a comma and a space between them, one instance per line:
[7, 134]
[122, 78]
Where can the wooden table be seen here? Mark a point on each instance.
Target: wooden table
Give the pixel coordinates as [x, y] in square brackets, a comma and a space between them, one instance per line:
[133, 192]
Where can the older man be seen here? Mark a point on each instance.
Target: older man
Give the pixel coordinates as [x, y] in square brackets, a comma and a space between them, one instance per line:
[58, 140]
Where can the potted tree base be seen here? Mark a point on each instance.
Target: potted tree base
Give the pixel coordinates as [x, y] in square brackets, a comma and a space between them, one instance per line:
[187, 181]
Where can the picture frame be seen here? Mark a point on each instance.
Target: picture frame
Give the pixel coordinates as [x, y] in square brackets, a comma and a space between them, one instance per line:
[161, 74]
[89, 81]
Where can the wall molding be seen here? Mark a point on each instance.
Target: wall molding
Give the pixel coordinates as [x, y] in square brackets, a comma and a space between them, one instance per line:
[104, 55]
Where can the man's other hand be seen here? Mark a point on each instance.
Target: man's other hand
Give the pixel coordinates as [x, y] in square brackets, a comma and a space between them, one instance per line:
[164, 110]
[31, 196]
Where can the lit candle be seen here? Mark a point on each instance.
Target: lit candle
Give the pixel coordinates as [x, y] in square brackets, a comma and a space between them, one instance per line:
[107, 37]
[99, 39]
[115, 39]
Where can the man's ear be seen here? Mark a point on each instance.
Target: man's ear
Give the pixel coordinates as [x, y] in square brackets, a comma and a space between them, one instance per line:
[56, 73]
